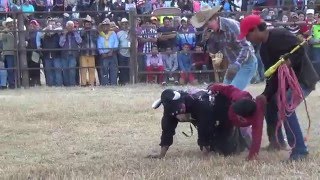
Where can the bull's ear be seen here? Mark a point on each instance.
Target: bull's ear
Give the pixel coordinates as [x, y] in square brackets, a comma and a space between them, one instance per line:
[156, 104]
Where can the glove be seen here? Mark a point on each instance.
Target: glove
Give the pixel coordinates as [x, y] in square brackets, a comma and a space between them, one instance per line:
[232, 70]
[286, 56]
[216, 58]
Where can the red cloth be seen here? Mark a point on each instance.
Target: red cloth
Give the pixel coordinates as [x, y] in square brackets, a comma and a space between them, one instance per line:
[256, 120]
[187, 77]
[151, 69]
[200, 59]
[230, 91]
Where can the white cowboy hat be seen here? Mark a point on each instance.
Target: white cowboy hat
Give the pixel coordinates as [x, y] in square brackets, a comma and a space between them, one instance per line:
[88, 19]
[8, 20]
[124, 20]
[203, 16]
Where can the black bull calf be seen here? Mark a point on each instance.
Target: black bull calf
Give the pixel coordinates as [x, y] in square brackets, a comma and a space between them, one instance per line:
[210, 114]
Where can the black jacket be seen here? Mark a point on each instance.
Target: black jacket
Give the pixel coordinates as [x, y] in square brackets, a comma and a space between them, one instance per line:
[205, 114]
[280, 42]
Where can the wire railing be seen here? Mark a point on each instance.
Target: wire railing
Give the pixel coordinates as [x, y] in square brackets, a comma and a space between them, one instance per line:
[21, 49]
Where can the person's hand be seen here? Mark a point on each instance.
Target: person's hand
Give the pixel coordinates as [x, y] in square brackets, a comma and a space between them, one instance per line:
[162, 154]
[155, 156]
[110, 53]
[231, 73]
[287, 60]
[65, 31]
[104, 55]
[262, 97]
[206, 151]
[217, 59]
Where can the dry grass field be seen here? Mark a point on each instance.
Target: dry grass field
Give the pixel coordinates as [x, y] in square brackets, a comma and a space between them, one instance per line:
[79, 133]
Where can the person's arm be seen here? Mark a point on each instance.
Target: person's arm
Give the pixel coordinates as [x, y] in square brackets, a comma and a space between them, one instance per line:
[257, 128]
[229, 91]
[180, 62]
[244, 44]
[101, 46]
[62, 40]
[148, 61]
[116, 40]
[168, 125]
[175, 62]
[38, 40]
[160, 62]
[78, 37]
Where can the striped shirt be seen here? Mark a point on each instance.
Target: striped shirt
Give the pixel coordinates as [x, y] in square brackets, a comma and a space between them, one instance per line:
[148, 33]
[226, 41]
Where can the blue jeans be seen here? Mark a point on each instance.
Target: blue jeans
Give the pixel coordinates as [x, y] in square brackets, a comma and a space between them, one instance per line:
[109, 70]
[245, 74]
[48, 62]
[57, 63]
[53, 76]
[291, 123]
[9, 63]
[3, 78]
[124, 73]
[69, 75]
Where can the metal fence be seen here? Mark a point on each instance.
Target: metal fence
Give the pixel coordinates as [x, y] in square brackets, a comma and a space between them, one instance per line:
[21, 68]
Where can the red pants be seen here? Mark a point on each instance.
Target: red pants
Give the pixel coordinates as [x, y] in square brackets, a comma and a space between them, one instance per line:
[187, 77]
[151, 69]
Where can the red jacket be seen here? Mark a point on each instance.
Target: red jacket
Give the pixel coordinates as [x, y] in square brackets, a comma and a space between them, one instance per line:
[256, 120]
[200, 59]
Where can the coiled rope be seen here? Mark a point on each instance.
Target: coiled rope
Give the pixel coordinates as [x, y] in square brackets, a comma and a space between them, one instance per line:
[287, 79]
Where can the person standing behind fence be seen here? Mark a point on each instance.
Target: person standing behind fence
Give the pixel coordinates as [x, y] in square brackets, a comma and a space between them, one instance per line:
[8, 43]
[108, 58]
[124, 51]
[52, 58]
[87, 58]
[70, 40]
[33, 56]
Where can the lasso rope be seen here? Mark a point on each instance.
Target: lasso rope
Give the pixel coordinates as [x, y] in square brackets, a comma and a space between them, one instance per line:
[288, 80]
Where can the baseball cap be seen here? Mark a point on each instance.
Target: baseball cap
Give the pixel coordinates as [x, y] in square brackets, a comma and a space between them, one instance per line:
[247, 24]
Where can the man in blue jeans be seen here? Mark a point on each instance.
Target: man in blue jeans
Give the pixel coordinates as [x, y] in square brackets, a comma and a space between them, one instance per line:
[221, 35]
[70, 40]
[274, 44]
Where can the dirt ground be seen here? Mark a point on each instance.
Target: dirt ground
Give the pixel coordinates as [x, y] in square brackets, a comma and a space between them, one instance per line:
[106, 133]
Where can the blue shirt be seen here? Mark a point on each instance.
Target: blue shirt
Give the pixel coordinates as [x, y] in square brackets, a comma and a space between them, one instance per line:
[27, 8]
[113, 43]
[184, 61]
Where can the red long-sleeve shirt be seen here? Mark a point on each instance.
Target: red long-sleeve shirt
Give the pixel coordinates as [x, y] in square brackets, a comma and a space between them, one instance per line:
[256, 120]
[200, 59]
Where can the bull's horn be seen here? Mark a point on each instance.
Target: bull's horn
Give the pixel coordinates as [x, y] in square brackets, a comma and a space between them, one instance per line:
[177, 95]
[156, 104]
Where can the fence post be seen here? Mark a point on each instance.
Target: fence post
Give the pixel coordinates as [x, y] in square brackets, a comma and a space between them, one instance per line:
[133, 47]
[22, 60]
[17, 74]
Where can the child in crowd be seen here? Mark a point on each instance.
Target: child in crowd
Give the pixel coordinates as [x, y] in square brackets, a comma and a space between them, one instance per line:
[154, 64]
[185, 65]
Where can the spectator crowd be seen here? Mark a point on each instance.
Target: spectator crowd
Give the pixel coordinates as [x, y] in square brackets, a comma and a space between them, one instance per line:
[99, 40]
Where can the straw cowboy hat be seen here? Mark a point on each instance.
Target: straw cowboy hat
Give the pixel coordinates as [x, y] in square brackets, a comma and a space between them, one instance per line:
[88, 19]
[8, 20]
[203, 16]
